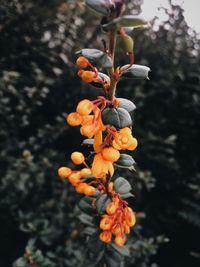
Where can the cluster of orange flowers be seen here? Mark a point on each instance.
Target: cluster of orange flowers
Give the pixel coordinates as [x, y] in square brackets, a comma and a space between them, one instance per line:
[88, 116]
[116, 222]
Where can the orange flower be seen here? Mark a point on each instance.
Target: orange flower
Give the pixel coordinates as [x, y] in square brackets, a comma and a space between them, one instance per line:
[129, 217]
[101, 167]
[84, 107]
[120, 240]
[110, 154]
[89, 190]
[74, 119]
[106, 222]
[92, 125]
[124, 140]
[88, 76]
[77, 158]
[82, 62]
[74, 178]
[111, 208]
[64, 172]
[105, 236]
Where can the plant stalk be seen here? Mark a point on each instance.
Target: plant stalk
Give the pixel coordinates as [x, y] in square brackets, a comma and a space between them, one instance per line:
[113, 81]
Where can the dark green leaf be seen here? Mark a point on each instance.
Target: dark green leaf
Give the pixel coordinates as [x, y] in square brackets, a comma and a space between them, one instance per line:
[122, 186]
[95, 244]
[117, 117]
[126, 195]
[135, 72]
[85, 204]
[125, 160]
[122, 250]
[101, 203]
[86, 219]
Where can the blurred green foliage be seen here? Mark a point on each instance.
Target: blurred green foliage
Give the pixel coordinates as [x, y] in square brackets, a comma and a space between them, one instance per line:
[38, 86]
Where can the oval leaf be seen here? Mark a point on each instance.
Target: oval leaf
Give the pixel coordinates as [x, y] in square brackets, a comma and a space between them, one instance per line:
[101, 203]
[126, 104]
[85, 204]
[100, 6]
[122, 250]
[135, 72]
[125, 21]
[117, 117]
[125, 160]
[122, 186]
[88, 142]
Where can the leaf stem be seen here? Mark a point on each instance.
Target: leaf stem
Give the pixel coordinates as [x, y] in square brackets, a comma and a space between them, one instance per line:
[113, 81]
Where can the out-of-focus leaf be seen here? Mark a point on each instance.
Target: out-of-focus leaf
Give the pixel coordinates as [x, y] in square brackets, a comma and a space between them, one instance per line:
[101, 203]
[126, 21]
[135, 72]
[100, 6]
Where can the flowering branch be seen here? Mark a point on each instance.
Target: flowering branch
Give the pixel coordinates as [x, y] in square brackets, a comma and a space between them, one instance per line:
[107, 124]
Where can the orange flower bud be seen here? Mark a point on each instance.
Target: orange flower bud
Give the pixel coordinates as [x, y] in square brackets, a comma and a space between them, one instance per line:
[84, 107]
[80, 73]
[116, 230]
[110, 186]
[82, 62]
[77, 158]
[89, 190]
[105, 236]
[85, 171]
[74, 178]
[120, 240]
[133, 144]
[126, 229]
[110, 154]
[64, 172]
[111, 208]
[106, 223]
[80, 187]
[74, 119]
[88, 76]
[129, 217]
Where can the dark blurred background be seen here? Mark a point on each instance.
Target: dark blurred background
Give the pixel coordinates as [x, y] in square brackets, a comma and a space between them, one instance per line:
[38, 87]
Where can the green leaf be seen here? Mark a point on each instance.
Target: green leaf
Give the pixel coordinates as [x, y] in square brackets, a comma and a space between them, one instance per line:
[88, 142]
[117, 117]
[122, 250]
[126, 195]
[100, 6]
[101, 203]
[85, 204]
[126, 104]
[125, 160]
[95, 244]
[135, 72]
[86, 219]
[89, 230]
[122, 186]
[126, 21]
[97, 57]
[113, 258]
